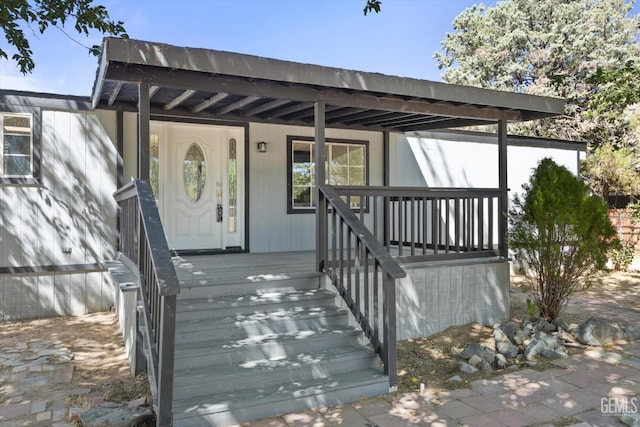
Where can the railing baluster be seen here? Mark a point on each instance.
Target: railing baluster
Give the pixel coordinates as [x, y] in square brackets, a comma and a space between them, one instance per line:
[423, 224]
[434, 225]
[366, 286]
[334, 237]
[376, 300]
[357, 272]
[447, 230]
[481, 223]
[400, 225]
[373, 200]
[412, 238]
[490, 222]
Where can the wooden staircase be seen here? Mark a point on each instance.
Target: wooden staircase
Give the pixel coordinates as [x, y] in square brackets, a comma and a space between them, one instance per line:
[249, 349]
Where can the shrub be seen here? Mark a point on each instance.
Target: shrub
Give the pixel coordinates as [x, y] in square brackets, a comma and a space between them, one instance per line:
[622, 253]
[560, 235]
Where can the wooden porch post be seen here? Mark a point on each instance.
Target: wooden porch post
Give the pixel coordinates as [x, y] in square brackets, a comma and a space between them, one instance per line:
[386, 182]
[321, 208]
[143, 131]
[504, 191]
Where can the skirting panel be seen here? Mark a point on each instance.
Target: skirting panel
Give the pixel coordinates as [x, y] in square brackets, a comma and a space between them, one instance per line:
[434, 297]
[54, 294]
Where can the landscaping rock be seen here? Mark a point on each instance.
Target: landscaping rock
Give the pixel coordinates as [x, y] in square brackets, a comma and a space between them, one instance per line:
[631, 419]
[519, 337]
[565, 337]
[475, 360]
[455, 379]
[560, 324]
[632, 332]
[534, 348]
[596, 331]
[456, 351]
[501, 361]
[572, 327]
[485, 367]
[553, 354]
[507, 349]
[543, 326]
[114, 415]
[510, 329]
[474, 349]
[467, 369]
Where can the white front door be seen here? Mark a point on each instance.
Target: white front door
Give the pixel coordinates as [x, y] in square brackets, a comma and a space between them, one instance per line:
[199, 184]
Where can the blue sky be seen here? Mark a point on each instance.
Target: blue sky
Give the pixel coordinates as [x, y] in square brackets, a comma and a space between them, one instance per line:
[400, 40]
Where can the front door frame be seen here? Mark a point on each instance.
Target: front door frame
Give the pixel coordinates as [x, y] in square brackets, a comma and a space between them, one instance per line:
[194, 120]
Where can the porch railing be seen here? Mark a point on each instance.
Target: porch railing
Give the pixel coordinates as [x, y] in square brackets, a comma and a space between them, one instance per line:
[142, 244]
[430, 223]
[364, 274]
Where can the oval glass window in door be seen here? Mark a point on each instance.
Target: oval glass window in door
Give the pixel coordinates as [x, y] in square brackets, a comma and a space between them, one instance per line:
[194, 172]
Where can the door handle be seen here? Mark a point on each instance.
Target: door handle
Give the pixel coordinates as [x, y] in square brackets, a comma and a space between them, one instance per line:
[219, 212]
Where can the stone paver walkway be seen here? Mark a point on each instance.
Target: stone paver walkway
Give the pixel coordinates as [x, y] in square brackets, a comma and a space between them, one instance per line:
[33, 376]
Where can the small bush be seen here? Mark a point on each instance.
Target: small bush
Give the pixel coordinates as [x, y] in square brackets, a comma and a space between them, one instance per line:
[560, 235]
[621, 254]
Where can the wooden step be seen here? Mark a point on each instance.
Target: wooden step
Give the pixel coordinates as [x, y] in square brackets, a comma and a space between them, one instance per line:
[272, 346]
[241, 326]
[203, 288]
[264, 373]
[234, 305]
[233, 407]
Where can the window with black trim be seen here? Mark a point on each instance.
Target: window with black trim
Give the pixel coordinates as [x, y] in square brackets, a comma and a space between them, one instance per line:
[347, 164]
[19, 145]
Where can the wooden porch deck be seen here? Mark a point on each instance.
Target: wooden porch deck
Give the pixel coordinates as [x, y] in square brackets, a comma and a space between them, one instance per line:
[224, 269]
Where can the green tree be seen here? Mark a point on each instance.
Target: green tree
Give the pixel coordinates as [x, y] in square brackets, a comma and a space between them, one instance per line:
[372, 6]
[20, 16]
[560, 235]
[610, 170]
[543, 47]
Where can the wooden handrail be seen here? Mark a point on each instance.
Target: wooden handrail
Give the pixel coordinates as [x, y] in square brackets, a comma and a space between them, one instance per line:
[440, 192]
[350, 269]
[143, 242]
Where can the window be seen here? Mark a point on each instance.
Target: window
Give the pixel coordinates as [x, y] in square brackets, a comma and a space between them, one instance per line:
[19, 145]
[154, 164]
[346, 165]
[194, 172]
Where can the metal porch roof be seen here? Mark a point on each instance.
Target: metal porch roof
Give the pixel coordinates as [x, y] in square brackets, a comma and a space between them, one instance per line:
[226, 86]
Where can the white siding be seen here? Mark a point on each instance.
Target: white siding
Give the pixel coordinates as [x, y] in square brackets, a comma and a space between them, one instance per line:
[441, 160]
[271, 228]
[73, 208]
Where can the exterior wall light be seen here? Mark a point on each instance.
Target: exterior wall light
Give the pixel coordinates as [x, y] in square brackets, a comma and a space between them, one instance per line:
[262, 147]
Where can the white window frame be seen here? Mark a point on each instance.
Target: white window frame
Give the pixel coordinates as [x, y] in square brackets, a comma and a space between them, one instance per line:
[33, 176]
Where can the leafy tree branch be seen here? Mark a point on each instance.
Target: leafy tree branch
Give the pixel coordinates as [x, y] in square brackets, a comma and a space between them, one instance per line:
[19, 17]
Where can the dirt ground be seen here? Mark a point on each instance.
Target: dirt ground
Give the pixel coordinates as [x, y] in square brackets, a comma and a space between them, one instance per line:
[101, 365]
[98, 349]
